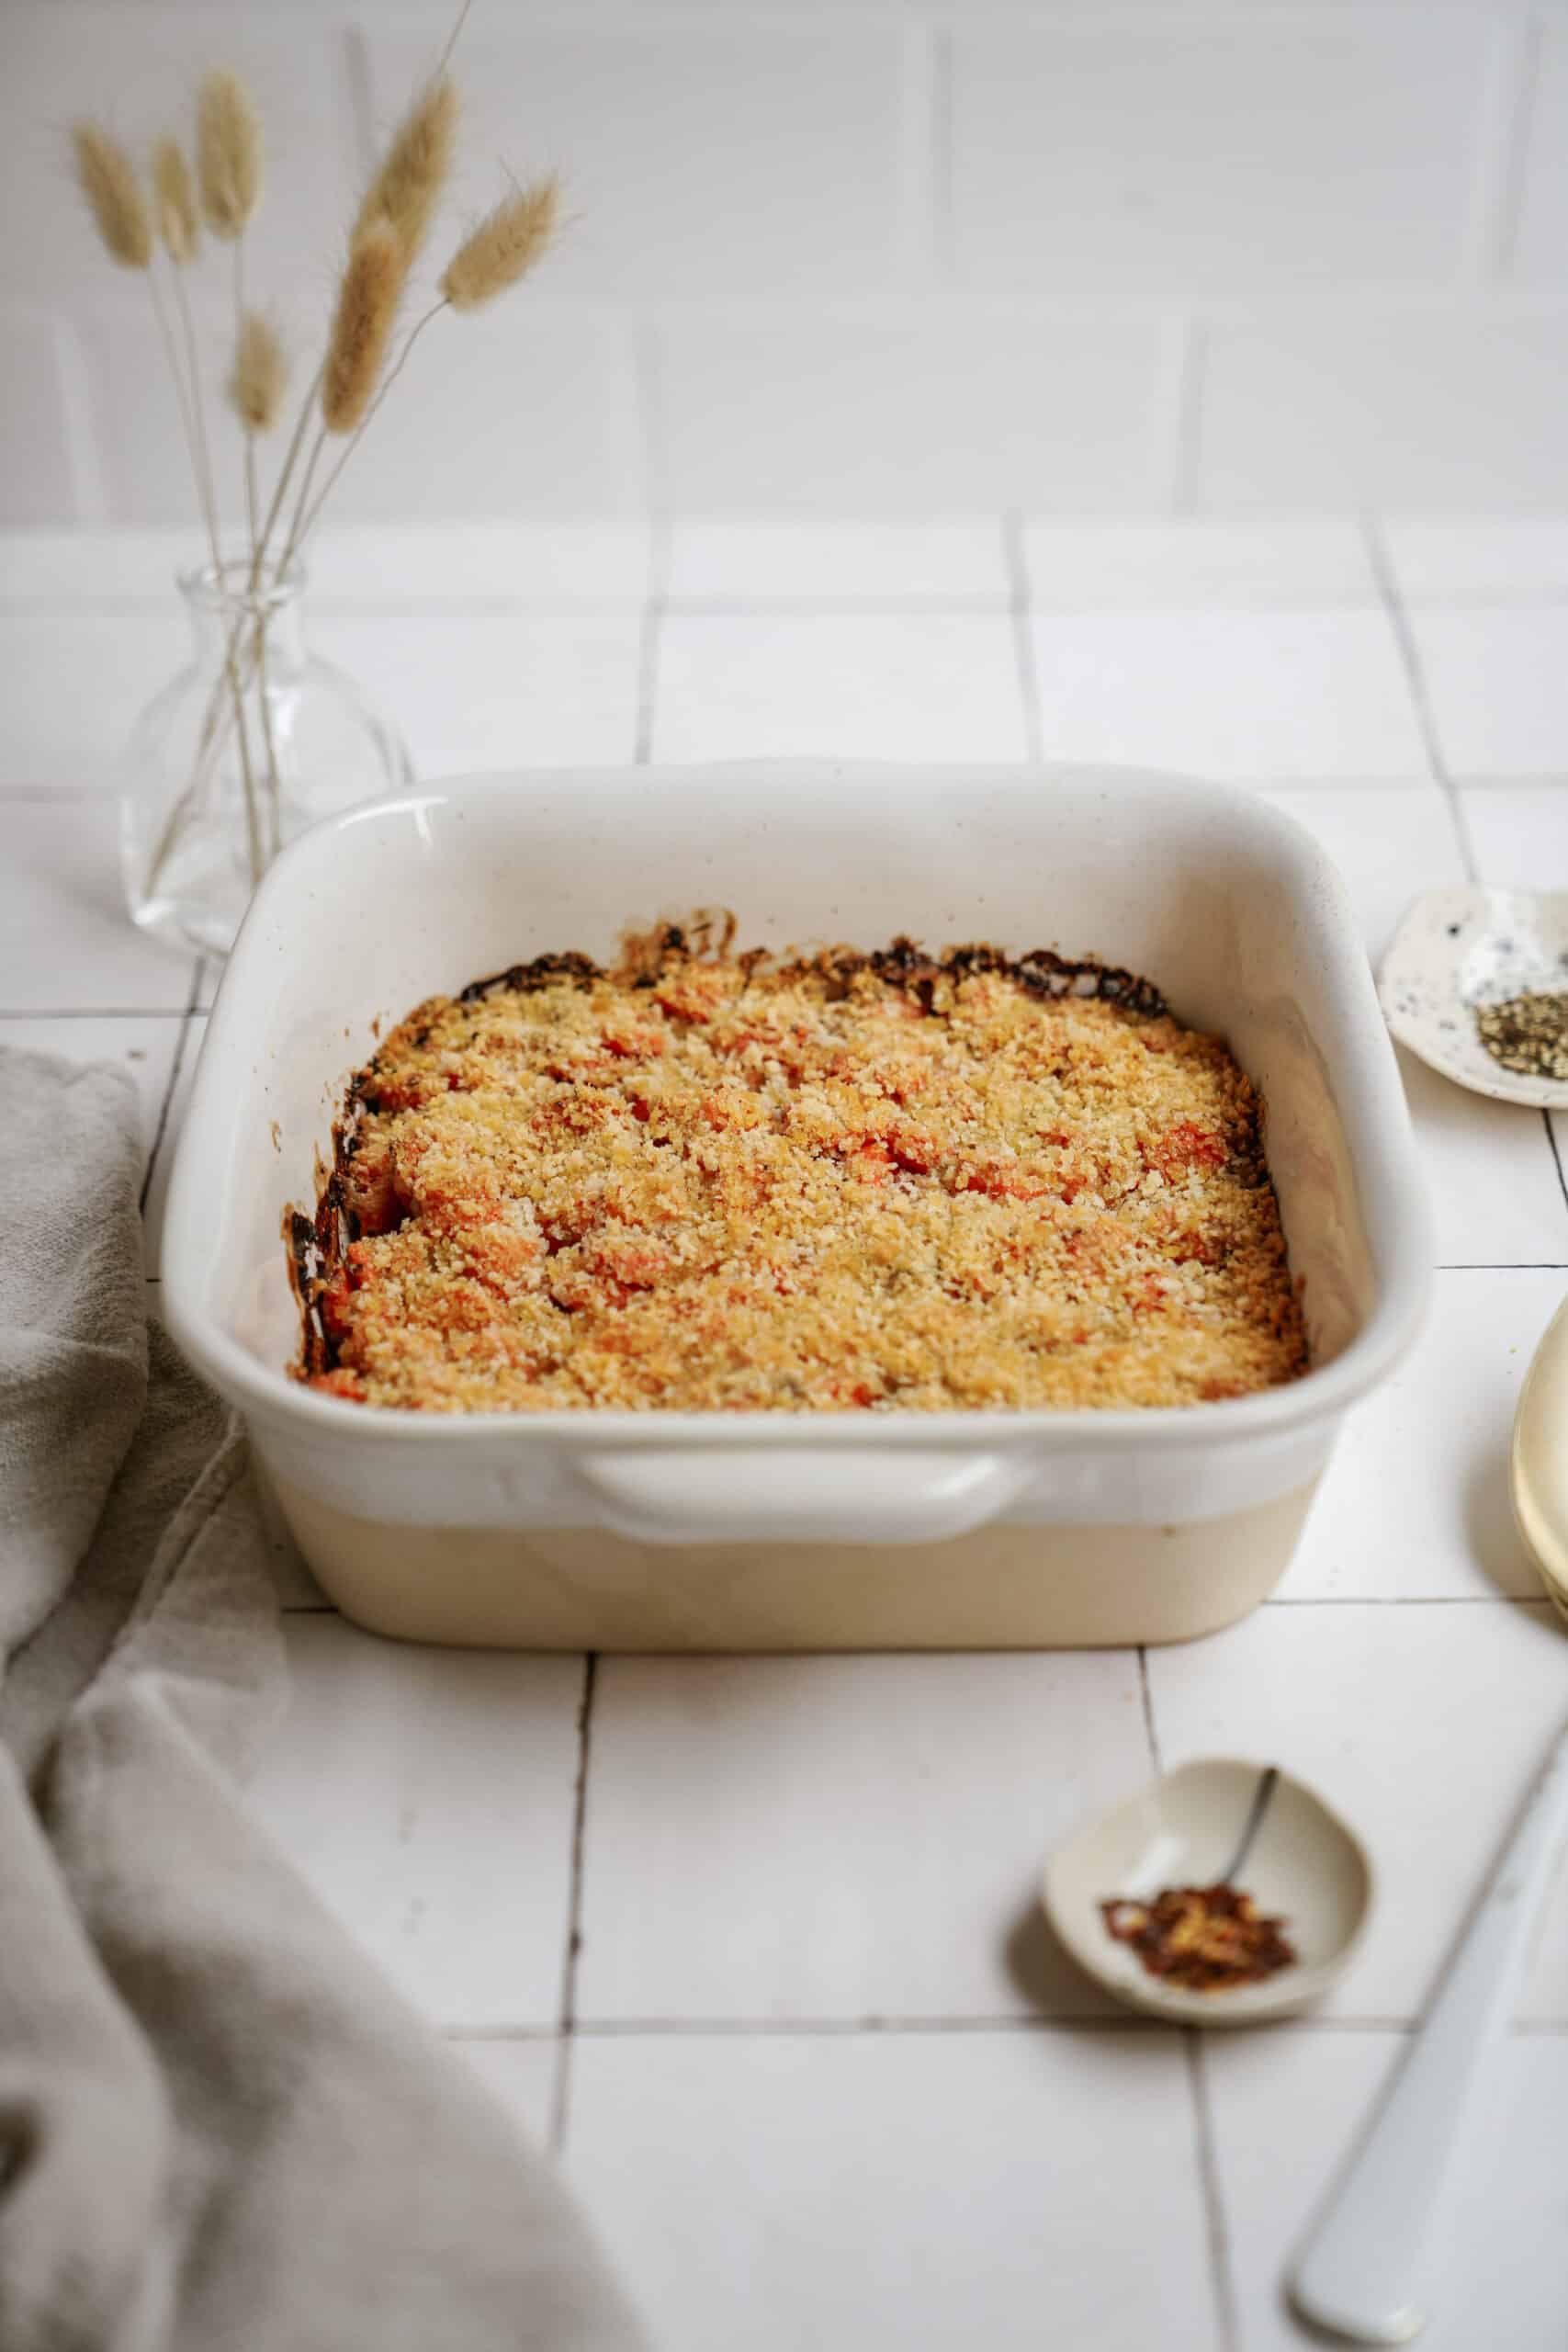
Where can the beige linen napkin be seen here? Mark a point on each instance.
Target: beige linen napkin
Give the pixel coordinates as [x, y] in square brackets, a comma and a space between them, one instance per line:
[218, 2126]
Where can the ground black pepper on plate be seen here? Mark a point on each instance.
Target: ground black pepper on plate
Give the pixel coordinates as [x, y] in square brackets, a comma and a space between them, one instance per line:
[1527, 1034]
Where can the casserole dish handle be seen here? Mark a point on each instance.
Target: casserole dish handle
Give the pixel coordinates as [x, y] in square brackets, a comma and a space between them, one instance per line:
[677, 1494]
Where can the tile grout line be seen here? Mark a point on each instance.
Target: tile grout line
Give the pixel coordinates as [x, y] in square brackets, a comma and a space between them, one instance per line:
[1556, 1155]
[1499, 196]
[1415, 680]
[193, 998]
[1191, 369]
[829, 2029]
[560, 2103]
[1220, 2267]
[650, 633]
[1015, 564]
[1222, 2277]
[1145, 1694]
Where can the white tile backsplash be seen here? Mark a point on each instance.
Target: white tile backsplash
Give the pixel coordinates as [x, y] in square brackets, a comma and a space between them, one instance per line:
[915, 2190]
[1248, 696]
[845, 1837]
[967, 414]
[1359, 408]
[137, 69]
[887, 259]
[1520, 833]
[503, 413]
[35, 418]
[701, 161]
[874, 685]
[1541, 230]
[1212, 156]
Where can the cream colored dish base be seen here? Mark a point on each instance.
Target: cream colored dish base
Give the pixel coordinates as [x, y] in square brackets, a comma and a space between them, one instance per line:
[1000, 1587]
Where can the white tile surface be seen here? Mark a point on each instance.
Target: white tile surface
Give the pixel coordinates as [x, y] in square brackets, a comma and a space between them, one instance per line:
[1390, 842]
[66, 943]
[74, 689]
[1210, 155]
[833, 563]
[491, 691]
[1469, 560]
[1369, 405]
[1498, 685]
[1247, 696]
[144, 1050]
[930, 686]
[1492, 2278]
[1452, 1401]
[841, 1838]
[1520, 833]
[1273, 565]
[520, 2075]
[1423, 1722]
[1490, 1173]
[681, 147]
[897, 2190]
[973, 410]
[427, 1797]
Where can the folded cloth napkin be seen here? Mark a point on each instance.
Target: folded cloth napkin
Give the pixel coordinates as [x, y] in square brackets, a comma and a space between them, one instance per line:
[218, 2126]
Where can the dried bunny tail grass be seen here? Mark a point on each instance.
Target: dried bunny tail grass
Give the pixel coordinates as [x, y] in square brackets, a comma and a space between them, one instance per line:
[106, 178]
[416, 166]
[173, 202]
[504, 247]
[366, 311]
[228, 153]
[260, 375]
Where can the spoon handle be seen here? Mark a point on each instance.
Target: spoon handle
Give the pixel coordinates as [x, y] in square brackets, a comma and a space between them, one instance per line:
[1356, 2273]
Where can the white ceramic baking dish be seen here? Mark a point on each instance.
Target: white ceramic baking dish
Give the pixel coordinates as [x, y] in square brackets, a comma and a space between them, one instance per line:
[732, 1531]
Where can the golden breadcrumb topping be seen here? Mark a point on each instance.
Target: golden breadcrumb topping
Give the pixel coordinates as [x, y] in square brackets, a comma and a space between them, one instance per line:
[853, 1183]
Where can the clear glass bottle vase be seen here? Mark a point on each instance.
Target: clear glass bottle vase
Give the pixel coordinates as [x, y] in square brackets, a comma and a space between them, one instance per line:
[252, 741]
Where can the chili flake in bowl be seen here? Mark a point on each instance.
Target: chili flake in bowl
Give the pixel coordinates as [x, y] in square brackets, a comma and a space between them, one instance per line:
[1181, 1941]
[1206, 1938]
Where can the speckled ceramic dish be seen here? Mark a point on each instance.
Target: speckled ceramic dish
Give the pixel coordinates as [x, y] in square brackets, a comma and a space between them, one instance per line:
[1457, 950]
[1305, 1865]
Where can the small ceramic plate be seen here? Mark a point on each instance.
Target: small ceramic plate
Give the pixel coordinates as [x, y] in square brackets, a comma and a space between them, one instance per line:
[1459, 949]
[1306, 1867]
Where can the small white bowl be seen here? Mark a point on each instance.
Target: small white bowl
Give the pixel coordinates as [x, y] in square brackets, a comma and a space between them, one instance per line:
[1459, 949]
[1306, 1866]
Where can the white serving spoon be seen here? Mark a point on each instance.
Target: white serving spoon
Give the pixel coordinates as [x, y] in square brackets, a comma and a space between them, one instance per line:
[1358, 2273]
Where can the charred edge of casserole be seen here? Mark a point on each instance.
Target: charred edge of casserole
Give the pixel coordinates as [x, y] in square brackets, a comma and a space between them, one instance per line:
[316, 1244]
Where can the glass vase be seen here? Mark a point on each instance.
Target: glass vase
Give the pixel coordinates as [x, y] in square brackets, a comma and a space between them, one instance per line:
[252, 741]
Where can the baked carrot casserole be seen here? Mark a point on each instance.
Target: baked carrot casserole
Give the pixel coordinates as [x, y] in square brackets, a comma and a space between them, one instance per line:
[708, 1180]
